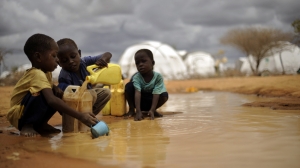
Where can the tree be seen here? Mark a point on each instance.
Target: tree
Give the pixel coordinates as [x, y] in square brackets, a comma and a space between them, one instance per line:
[3, 52]
[258, 42]
[296, 25]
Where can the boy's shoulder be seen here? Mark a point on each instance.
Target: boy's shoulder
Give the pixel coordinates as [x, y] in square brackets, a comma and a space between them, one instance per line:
[34, 72]
[157, 74]
[64, 74]
[34, 77]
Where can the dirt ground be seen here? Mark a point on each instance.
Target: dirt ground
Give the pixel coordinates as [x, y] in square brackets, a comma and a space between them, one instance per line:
[285, 91]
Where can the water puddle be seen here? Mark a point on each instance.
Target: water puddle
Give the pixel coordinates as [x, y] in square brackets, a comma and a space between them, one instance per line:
[212, 130]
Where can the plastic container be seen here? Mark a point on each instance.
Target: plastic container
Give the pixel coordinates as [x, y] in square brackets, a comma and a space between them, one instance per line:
[99, 129]
[80, 100]
[109, 76]
[106, 109]
[117, 100]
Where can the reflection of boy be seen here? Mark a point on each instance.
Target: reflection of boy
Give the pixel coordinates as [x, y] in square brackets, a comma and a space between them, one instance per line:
[74, 71]
[146, 91]
[34, 98]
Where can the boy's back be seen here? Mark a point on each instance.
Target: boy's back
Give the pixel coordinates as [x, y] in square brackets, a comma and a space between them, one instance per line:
[34, 80]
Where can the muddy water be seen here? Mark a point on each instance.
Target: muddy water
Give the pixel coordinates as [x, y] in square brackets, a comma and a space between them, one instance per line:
[213, 130]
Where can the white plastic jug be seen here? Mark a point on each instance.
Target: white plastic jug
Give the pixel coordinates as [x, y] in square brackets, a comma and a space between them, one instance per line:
[81, 100]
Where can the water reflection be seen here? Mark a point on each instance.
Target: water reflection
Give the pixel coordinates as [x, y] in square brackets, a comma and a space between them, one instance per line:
[143, 142]
[213, 130]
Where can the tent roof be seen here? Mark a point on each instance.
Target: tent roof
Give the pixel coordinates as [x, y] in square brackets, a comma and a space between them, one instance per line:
[167, 61]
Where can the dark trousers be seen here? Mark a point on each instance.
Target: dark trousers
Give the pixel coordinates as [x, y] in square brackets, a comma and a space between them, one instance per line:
[36, 111]
[146, 98]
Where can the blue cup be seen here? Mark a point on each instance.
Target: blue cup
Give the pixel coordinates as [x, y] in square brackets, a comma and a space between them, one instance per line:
[99, 129]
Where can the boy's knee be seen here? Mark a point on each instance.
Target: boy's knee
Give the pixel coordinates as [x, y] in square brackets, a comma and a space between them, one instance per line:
[163, 99]
[103, 93]
[107, 92]
[129, 86]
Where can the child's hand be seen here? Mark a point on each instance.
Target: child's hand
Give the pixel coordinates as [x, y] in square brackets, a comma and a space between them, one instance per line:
[88, 119]
[138, 116]
[102, 62]
[57, 91]
[151, 113]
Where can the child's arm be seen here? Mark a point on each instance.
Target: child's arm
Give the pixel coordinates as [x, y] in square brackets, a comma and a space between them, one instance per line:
[154, 105]
[137, 101]
[57, 91]
[58, 104]
[105, 58]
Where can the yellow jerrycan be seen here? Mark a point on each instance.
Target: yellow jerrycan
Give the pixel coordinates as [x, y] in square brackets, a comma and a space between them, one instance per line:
[117, 100]
[106, 108]
[110, 75]
[80, 99]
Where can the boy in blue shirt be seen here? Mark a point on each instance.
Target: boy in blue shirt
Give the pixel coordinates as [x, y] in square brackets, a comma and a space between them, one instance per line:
[146, 90]
[35, 99]
[74, 71]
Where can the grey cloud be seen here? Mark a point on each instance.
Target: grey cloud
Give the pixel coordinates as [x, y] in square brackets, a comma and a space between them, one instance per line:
[113, 25]
[226, 14]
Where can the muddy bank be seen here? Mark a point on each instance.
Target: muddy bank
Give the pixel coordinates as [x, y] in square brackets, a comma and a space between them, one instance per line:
[284, 89]
[275, 86]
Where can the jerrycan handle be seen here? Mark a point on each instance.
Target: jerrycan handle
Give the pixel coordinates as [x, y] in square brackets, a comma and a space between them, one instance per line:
[71, 88]
[90, 69]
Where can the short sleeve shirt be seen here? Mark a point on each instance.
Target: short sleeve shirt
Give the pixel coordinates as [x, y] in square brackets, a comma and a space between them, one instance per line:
[155, 86]
[67, 78]
[34, 80]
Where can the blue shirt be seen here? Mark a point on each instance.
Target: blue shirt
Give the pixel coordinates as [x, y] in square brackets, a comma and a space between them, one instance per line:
[67, 78]
[155, 86]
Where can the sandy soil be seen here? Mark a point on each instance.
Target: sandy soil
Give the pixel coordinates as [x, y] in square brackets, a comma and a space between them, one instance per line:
[285, 91]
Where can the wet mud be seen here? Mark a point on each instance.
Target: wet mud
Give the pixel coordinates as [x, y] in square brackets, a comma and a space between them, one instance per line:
[202, 129]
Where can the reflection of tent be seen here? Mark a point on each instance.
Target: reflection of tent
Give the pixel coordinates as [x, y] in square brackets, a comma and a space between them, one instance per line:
[290, 62]
[167, 60]
[200, 64]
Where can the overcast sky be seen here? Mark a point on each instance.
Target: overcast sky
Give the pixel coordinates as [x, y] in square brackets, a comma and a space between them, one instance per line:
[113, 25]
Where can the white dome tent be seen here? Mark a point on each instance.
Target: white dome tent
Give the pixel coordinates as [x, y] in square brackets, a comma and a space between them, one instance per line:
[200, 64]
[167, 61]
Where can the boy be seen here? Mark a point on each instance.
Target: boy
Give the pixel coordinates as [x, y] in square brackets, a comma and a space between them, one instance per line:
[74, 71]
[146, 91]
[34, 98]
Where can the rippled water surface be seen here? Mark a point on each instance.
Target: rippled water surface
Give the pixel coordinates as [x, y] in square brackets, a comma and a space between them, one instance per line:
[212, 130]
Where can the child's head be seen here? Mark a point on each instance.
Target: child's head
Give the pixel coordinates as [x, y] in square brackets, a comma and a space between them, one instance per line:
[68, 55]
[42, 50]
[144, 61]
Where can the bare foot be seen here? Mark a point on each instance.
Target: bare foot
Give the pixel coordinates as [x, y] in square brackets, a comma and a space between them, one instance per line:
[157, 114]
[130, 113]
[28, 131]
[139, 116]
[47, 129]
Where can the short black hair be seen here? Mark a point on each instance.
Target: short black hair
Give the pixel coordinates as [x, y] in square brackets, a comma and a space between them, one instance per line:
[148, 52]
[37, 43]
[66, 41]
